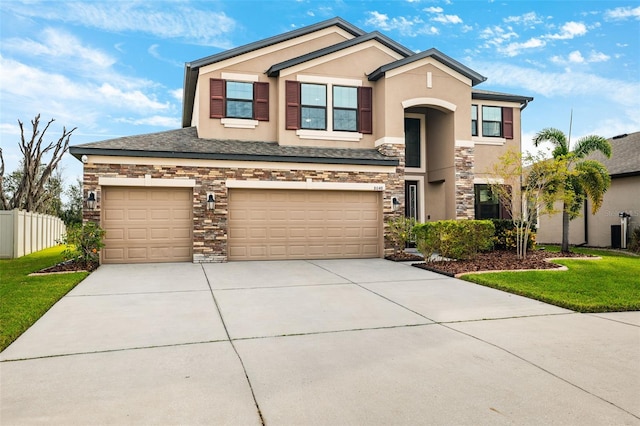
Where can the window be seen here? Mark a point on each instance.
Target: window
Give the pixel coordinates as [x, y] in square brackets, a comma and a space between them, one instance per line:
[496, 121]
[474, 120]
[491, 121]
[313, 103]
[238, 99]
[487, 204]
[345, 108]
[412, 142]
[328, 107]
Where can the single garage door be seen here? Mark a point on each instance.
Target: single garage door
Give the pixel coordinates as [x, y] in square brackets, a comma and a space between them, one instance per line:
[147, 224]
[302, 224]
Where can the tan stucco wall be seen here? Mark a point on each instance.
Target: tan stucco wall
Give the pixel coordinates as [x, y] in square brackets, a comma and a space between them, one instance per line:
[623, 195]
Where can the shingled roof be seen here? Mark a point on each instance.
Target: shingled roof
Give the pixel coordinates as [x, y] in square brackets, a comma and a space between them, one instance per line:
[625, 156]
[184, 143]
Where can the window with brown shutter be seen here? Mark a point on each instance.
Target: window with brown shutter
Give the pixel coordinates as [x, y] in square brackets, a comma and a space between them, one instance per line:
[507, 122]
[292, 99]
[365, 103]
[216, 98]
[261, 101]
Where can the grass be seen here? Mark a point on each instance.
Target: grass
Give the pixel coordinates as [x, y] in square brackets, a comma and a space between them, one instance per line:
[24, 299]
[611, 284]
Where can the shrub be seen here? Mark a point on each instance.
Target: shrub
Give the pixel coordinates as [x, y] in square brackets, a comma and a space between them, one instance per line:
[83, 244]
[399, 231]
[505, 235]
[634, 244]
[456, 239]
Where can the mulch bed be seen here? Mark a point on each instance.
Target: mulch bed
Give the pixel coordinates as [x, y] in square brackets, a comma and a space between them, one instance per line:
[496, 261]
[69, 266]
[403, 256]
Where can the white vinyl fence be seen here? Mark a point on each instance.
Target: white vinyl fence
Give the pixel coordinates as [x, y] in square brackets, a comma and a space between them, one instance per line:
[23, 232]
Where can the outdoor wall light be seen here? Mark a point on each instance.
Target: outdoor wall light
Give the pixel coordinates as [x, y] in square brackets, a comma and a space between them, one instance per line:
[395, 204]
[211, 201]
[91, 200]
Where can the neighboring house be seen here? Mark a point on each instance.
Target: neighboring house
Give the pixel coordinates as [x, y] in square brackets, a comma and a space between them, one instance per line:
[622, 196]
[305, 143]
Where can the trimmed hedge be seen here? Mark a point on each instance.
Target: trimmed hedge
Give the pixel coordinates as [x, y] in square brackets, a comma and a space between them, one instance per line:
[454, 239]
[505, 235]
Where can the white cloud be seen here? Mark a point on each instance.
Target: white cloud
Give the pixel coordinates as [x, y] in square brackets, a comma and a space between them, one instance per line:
[529, 19]
[59, 44]
[154, 51]
[513, 49]
[181, 21]
[176, 94]
[568, 31]
[448, 19]
[433, 9]
[576, 57]
[406, 26]
[622, 13]
[155, 120]
[554, 84]
[598, 57]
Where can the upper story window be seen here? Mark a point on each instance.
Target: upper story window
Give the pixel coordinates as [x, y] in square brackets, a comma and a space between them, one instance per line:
[345, 108]
[313, 103]
[474, 120]
[238, 99]
[491, 121]
[328, 107]
[497, 122]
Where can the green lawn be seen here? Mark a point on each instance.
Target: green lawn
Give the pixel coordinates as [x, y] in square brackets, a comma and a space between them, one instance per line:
[24, 299]
[607, 285]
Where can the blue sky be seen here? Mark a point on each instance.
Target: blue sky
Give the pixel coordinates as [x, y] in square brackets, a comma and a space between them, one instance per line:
[115, 68]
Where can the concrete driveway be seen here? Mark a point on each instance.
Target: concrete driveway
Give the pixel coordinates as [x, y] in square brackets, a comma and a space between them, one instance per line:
[332, 342]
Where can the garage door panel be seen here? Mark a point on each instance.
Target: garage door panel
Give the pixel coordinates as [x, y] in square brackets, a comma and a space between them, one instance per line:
[301, 224]
[147, 224]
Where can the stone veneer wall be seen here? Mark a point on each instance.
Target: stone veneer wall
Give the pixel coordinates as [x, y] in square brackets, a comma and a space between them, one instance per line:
[465, 196]
[210, 227]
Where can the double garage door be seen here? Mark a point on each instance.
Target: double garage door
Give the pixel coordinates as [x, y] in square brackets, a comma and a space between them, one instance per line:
[155, 224]
[301, 224]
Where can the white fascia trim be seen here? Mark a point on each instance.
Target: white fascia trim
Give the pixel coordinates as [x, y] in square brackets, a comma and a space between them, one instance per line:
[464, 144]
[322, 79]
[488, 141]
[239, 164]
[307, 185]
[487, 180]
[239, 123]
[391, 140]
[147, 181]
[429, 101]
[327, 135]
[239, 77]
[428, 61]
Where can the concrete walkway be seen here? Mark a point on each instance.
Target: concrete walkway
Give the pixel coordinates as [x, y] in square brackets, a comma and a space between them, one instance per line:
[315, 343]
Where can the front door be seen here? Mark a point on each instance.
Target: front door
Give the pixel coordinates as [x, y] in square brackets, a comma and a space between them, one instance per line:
[411, 199]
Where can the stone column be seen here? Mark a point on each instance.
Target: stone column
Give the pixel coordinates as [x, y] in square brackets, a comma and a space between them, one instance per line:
[394, 187]
[464, 182]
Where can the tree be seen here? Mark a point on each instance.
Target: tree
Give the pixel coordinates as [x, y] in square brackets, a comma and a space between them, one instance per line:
[72, 212]
[587, 179]
[33, 184]
[538, 179]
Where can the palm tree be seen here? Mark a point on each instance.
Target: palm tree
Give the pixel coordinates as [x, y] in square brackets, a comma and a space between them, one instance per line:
[587, 178]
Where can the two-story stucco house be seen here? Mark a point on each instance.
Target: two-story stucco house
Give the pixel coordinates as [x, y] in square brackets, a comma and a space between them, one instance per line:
[302, 146]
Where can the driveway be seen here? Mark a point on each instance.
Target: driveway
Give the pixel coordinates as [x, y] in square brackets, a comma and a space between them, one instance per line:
[330, 342]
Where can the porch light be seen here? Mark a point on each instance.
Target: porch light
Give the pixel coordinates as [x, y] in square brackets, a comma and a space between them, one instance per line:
[211, 201]
[395, 204]
[91, 200]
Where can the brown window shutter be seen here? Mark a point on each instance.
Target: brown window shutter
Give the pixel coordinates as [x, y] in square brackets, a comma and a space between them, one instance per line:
[507, 122]
[292, 98]
[261, 101]
[216, 99]
[365, 114]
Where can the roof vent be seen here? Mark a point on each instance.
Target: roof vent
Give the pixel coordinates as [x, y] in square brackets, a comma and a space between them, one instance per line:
[620, 136]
